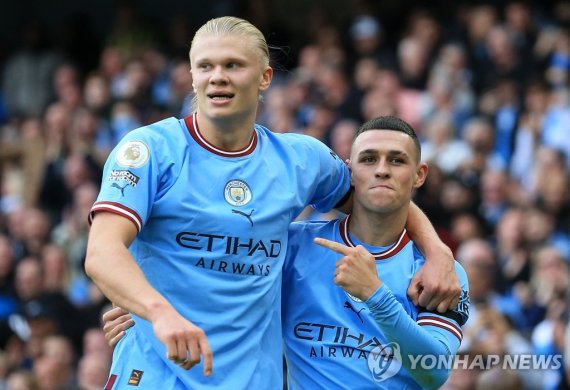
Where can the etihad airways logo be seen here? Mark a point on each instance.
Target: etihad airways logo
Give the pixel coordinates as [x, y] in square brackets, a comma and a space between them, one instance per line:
[334, 334]
[234, 267]
[229, 245]
[236, 253]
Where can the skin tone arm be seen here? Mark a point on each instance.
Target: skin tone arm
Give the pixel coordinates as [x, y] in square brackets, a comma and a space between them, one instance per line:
[435, 285]
[109, 264]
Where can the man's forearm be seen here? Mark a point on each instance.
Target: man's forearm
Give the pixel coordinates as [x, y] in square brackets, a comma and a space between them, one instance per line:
[122, 281]
[413, 340]
[424, 235]
[111, 266]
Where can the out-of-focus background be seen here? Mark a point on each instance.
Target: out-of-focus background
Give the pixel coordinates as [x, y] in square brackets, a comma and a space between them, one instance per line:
[486, 85]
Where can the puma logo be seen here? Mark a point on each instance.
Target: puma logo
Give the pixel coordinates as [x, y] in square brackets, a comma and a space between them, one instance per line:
[122, 189]
[248, 216]
[347, 305]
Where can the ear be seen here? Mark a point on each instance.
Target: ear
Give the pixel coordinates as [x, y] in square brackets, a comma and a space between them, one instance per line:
[266, 78]
[421, 174]
[349, 170]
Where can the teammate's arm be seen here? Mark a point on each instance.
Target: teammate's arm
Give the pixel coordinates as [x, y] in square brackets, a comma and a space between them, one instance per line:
[115, 323]
[435, 286]
[111, 266]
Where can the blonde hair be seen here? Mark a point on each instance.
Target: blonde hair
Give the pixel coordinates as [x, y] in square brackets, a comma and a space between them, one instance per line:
[232, 26]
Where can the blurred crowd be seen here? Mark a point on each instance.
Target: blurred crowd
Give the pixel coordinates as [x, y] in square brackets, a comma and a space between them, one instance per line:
[487, 90]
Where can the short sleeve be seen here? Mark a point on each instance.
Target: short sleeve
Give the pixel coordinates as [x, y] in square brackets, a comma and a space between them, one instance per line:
[130, 178]
[333, 177]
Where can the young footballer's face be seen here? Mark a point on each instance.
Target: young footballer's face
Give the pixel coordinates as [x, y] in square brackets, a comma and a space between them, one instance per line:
[228, 76]
[385, 170]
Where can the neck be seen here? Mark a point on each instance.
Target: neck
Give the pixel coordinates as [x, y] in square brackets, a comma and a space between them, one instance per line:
[227, 133]
[374, 228]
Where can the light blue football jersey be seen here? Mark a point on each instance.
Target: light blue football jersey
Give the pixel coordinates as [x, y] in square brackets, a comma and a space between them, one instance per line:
[212, 239]
[328, 334]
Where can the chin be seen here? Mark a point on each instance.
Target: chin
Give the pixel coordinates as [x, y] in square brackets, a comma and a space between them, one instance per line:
[219, 113]
[383, 206]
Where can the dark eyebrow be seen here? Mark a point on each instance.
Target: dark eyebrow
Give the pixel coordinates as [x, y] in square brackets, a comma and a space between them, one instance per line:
[391, 153]
[397, 153]
[368, 151]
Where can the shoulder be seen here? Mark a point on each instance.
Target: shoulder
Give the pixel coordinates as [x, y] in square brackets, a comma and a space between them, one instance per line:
[161, 130]
[161, 145]
[294, 140]
[165, 133]
[155, 138]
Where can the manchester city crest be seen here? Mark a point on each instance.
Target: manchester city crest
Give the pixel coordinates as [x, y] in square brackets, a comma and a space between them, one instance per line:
[237, 193]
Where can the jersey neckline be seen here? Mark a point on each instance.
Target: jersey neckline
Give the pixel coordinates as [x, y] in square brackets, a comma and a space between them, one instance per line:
[192, 125]
[396, 247]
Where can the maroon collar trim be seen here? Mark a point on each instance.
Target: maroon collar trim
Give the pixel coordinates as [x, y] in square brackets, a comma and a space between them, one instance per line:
[192, 126]
[391, 251]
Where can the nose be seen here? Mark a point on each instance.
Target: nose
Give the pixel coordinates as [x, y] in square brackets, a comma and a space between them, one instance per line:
[382, 168]
[218, 76]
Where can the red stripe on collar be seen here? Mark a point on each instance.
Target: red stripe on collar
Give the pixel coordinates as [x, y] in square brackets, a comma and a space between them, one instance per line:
[403, 239]
[192, 125]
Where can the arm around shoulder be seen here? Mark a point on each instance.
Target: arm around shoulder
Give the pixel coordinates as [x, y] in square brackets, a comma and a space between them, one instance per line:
[435, 285]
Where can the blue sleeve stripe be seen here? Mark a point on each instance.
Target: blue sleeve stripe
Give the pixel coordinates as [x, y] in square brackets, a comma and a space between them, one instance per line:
[441, 323]
[117, 208]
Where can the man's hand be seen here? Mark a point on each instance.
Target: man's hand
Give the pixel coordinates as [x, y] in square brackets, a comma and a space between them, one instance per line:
[115, 322]
[436, 285]
[184, 341]
[356, 271]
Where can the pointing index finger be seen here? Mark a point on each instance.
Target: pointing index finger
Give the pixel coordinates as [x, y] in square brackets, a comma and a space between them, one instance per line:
[333, 245]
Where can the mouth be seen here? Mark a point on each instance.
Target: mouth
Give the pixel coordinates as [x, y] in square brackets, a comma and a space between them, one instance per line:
[220, 96]
[381, 187]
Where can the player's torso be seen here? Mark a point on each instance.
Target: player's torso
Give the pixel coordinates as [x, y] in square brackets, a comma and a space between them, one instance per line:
[214, 244]
[325, 326]
[218, 210]
[221, 221]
